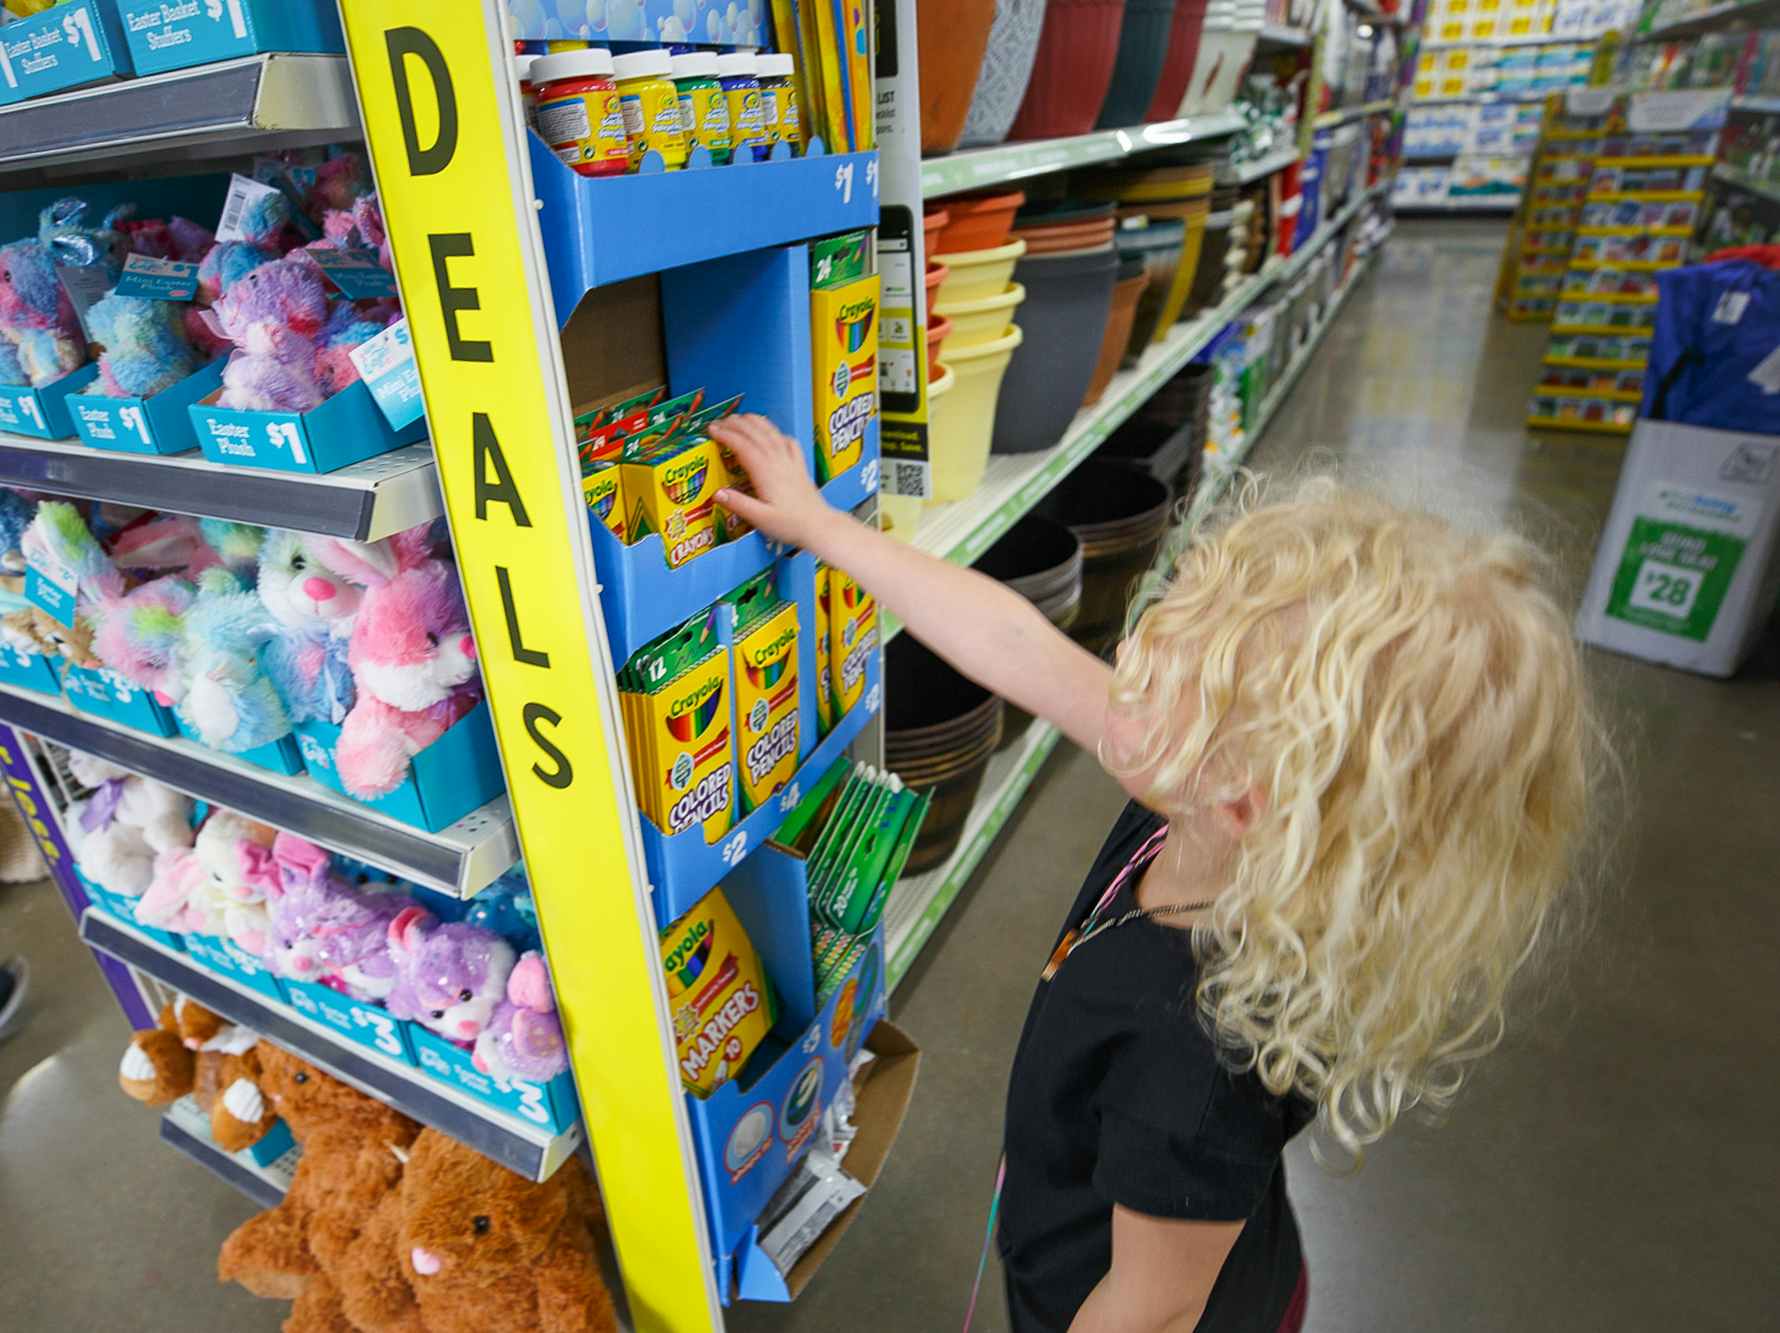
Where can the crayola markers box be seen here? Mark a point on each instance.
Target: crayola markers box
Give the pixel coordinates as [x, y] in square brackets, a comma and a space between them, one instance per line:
[718, 995]
[766, 690]
[672, 491]
[676, 707]
[824, 676]
[844, 345]
[852, 636]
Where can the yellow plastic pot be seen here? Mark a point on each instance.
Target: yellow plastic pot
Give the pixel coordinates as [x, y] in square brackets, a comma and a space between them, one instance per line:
[977, 273]
[900, 515]
[1193, 215]
[980, 321]
[961, 425]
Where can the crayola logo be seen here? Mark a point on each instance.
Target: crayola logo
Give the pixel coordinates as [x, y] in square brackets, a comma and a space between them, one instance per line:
[853, 324]
[682, 484]
[690, 716]
[771, 656]
[688, 958]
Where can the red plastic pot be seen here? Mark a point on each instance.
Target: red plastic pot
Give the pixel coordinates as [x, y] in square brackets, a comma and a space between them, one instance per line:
[933, 222]
[1177, 66]
[979, 222]
[1073, 71]
[951, 36]
[938, 327]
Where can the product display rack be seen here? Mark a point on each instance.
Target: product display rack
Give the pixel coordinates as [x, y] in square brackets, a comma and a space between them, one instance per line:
[1250, 172]
[1274, 34]
[186, 1128]
[1341, 115]
[1706, 20]
[977, 168]
[365, 501]
[1744, 181]
[922, 901]
[223, 110]
[525, 1148]
[1545, 227]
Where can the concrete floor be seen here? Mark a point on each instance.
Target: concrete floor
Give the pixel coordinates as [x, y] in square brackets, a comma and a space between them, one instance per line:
[1613, 1167]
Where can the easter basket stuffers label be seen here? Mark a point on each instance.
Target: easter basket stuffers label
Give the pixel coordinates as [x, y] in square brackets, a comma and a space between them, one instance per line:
[356, 273]
[390, 372]
[157, 279]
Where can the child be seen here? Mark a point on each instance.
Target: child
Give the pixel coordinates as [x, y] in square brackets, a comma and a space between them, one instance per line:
[1355, 740]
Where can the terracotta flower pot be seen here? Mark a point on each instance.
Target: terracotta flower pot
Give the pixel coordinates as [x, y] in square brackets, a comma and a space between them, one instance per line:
[933, 222]
[1118, 330]
[938, 326]
[952, 36]
[979, 222]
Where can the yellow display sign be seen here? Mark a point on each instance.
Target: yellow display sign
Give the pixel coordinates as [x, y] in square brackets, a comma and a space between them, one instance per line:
[444, 124]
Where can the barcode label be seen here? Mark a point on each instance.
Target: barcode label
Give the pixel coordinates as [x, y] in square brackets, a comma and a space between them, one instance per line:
[910, 479]
[243, 193]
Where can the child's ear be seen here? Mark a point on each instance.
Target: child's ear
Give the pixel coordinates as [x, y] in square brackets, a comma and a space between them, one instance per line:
[1241, 813]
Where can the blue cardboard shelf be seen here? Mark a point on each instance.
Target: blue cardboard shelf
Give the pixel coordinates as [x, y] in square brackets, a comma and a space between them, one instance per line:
[600, 231]
[162, 36]
[76, 43]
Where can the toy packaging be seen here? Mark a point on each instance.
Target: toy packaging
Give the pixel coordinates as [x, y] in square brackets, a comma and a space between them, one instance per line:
[852, 635]
[717, 990]
[677, 710]
[844, 345]
[766, 690]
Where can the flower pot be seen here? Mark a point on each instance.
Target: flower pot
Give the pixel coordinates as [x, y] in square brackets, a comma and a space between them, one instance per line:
[933, 221]
[1177, 65]
[979, 222]
[951, 36]
[1134, 276]
[1072, 70]
[1143, 48]
[1158, 245]
[1068, 299]
[975, 273]
[1007, 68]
[960, 425]
[980, 321]
[938, 327]
[1121, 516]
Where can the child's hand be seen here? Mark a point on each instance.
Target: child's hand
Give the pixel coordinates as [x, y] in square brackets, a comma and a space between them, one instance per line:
[785, 504]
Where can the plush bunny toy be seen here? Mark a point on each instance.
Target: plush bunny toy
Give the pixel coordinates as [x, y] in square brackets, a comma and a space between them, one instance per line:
[305, 582]
[325, 930]
[127, 821]
[227, 699]
[415, 663]
[219, 886]
[146, 347]
[524, 1038]
[272, 317]
[40, 335]
[450, 978]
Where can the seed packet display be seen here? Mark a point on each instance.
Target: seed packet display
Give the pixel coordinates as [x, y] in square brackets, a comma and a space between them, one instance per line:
[676, 705]
[766, 690]
[718, 995]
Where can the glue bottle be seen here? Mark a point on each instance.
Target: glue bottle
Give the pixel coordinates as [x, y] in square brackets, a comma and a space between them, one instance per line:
[704, 108]
[651, 106]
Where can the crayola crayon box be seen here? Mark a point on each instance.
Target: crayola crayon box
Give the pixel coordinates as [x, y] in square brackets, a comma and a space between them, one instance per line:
[672, 491]
[844, 347]
[676, 708]
[766, 690]
[603, 490]
[721, 1003]
[852, 637]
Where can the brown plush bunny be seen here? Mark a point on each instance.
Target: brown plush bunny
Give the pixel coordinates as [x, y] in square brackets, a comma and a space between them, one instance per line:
[195, 1051]
[32, 631]
[352, 1159]
[465, 1245]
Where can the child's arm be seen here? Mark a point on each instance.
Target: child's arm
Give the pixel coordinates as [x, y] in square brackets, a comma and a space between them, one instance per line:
[984, 629]
[1161, 1277]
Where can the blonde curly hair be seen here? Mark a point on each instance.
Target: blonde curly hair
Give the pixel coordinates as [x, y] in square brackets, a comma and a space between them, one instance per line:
[1407, 703]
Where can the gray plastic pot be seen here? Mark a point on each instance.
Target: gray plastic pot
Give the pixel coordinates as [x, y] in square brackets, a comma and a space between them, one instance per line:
[1007, 68]
[1068, 301]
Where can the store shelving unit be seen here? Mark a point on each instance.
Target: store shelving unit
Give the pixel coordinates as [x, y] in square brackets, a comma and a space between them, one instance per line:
[975, 168]
[1705, 20]
[234, 108]
[185, 1127]
[1341, 115]
[532, 1152]
[921, 902]
[460, 860]
[1765, 103]
[1249, 172]
[1486, 205]
[365, 502]
[1275, 34]
[1744, 181]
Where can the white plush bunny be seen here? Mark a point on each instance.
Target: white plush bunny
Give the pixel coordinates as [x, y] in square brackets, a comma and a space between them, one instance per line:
[116, 832]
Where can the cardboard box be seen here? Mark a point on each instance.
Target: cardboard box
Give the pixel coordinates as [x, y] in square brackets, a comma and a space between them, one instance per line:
[43, 412]
[76, 43]
[456, 774]
[551, 1105]
[104, 693]
[368, 1025]
[28, 671]
[348, 428]
[163, 36]
[1687, 572]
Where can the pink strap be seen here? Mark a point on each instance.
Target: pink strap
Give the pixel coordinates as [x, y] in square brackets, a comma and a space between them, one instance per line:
[1140, 858]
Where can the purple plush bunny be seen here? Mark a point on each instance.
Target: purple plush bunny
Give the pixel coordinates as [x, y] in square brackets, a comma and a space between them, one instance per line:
[40, 335]
[450, 978]
[326, 931]
[524, 1038]
[272, 317]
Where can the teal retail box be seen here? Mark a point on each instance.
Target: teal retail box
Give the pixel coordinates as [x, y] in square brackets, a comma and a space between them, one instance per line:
[275, 1143]
[367, 1024]
[76, 43]
[28, 671]
[161, 424]
[177, 34]
[104, 693]
[283, 755]
[550, 1106]
[123, 909]
[43, 412]
[458, 773]
[230, 960]
[346, 429]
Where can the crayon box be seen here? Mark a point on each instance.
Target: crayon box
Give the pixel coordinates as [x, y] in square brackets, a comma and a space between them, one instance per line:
[852, 637]
[672, 492]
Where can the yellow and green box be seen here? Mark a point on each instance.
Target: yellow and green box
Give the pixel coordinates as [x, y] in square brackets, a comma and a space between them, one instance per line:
[844, 345]
[852, 636]
[675, 696]
[718, 996]
[672, 491]
[766, 692]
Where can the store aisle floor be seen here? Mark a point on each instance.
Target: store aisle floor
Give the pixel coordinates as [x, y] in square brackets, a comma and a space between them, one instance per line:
[1613, 1168]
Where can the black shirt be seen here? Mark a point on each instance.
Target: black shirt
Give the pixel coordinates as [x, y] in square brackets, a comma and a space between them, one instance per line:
[1117, 1096]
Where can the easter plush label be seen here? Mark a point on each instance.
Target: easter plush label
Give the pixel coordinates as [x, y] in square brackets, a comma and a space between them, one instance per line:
[386, 364]
[157, 279]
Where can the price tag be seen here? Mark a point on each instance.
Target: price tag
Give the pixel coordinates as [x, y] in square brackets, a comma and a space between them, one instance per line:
[53, 588]
[392, 375]
[158, 279]
[356, 273]
[244, 194]
[1678, 109]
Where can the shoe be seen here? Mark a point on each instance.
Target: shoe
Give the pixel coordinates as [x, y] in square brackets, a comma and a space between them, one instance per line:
[15, 980]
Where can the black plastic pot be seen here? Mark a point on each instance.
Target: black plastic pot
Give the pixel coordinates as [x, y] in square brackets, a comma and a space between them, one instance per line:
[1068, 300]
[940, 731]
[1143, 50]
[1121, 516]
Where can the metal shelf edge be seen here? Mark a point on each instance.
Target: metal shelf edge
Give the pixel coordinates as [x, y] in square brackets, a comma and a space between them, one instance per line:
[257, 1183]
[460, 860]
[529, 1151]
[973, 168]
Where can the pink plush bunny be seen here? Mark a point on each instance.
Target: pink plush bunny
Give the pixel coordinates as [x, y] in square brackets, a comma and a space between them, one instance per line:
[415, 663]
[272, 316]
